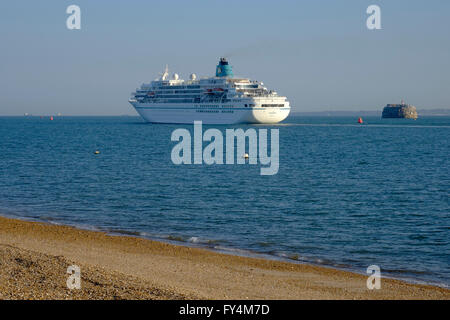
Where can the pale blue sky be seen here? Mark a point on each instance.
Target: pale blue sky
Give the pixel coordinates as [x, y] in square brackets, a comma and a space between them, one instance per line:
[318, 53]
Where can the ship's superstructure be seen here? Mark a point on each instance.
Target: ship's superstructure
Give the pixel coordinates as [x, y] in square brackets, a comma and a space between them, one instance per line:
[222, 99]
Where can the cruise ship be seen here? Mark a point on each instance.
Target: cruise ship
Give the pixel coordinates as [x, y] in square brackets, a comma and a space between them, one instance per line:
[222, 99]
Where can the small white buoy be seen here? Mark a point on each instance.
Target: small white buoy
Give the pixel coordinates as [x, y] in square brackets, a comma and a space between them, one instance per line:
[246, 155]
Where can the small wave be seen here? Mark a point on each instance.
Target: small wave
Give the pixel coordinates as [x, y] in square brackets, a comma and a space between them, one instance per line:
[145, 234]
[124, 232]
[288, 256]
[197, 240]
[176, 238]
[235, 250]
[194, 240]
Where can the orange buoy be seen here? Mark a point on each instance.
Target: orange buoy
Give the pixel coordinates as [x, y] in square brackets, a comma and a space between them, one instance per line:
[360, 120]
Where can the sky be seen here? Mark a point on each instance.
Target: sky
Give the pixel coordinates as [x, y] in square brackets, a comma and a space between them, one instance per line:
[320, 54]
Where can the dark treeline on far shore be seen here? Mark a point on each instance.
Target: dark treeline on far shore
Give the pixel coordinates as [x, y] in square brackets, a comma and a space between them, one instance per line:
[348, 113]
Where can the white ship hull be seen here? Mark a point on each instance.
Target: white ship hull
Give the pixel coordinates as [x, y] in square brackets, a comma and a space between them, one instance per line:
[209, 113]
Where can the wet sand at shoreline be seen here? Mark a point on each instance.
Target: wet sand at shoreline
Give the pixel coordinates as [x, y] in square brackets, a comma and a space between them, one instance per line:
[34, 258]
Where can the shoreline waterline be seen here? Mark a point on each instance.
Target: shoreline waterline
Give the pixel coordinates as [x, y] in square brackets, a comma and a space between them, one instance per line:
[128, 254]
[218, 247]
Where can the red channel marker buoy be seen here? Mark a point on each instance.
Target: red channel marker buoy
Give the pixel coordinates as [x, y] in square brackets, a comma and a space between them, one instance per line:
[51, 117]
[360, 120]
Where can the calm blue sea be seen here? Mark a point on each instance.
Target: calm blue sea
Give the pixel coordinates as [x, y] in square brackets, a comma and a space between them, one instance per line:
[345, 196]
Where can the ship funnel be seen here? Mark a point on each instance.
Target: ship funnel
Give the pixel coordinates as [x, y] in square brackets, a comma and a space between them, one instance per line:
[223, 69]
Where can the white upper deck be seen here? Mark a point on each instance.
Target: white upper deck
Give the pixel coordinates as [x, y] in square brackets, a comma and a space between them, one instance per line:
[222, 88]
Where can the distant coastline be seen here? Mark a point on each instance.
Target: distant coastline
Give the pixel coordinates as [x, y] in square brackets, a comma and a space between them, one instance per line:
[442, 112]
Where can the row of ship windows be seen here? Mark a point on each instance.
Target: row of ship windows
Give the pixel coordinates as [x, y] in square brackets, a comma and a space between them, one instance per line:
[169, 91]
[188, 91]
[173, 101]
[176, 96]
[169, 87]
[208, 111]
[273, 105]
[179, 87]
[179, 91]
[172, 91]
[191, 86]
[196, 100]
[212, 81]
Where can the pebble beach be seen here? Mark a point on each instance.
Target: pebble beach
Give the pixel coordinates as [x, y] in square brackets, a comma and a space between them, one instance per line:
[34, 258]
